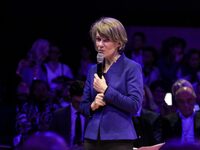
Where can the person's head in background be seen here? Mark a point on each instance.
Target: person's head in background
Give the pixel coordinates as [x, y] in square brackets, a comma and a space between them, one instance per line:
[39, 91]
[191, 66]
[196, 87]
[109, 37]
[54, 53]
[39, 50]
[139, 41]
[193, 58]
[184, 97]
[173, 49]
[147, 102]
[22, 93]
[76, 92]
[44, 141]
[149, 56]
[159, 90]
[62, 83]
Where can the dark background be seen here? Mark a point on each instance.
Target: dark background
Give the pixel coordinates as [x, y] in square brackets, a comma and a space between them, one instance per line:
[67, 23]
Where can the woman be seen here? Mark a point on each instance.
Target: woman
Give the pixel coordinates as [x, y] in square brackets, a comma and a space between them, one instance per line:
[55, 67]
[111, 101]
[32, 67]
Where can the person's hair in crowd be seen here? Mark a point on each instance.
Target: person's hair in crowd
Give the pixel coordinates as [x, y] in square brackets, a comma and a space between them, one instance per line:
[44, 141]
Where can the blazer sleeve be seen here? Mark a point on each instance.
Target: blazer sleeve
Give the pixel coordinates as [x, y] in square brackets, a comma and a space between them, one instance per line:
[131, 101]
[87, 97]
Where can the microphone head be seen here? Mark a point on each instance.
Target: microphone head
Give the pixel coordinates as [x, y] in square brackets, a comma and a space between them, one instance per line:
[100, 57]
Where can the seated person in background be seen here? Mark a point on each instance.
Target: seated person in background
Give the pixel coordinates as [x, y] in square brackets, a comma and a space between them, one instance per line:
[36, 113]
[147, 124]
[55, 67]
[32, 67]
[159, 91]
[22, 95]
[44, 141]
[185, 123]
[64, 119]
[61, 91]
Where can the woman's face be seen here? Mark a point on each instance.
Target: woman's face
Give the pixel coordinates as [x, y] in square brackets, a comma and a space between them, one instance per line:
[42, 51]
[194, 61]
[106, 46]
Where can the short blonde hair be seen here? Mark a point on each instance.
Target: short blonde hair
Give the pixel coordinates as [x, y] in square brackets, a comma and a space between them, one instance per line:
[110, 28]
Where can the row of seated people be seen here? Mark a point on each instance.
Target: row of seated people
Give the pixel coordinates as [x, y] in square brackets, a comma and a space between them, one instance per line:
[171, 61]
[182, 125]
[45, 61]
[40, 114]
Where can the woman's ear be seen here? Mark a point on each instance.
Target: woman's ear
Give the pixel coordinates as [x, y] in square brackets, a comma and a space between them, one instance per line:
[120, 45]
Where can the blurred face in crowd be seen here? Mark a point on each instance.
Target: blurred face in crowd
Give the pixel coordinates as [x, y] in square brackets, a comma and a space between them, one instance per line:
[41, 91]
[177, 53]
[43, 52]
[159, 95]
[40, 49]
[148, 57]
[194, 61]
[22, 92]
[76, 101]
[54, 53]
[185, 103]
[138, 42]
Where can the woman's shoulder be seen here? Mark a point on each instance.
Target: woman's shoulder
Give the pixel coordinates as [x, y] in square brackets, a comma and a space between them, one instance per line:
[130, 61]
[92, 69]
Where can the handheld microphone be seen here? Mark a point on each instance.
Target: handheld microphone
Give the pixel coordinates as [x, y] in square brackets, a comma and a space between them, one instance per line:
[100, 59]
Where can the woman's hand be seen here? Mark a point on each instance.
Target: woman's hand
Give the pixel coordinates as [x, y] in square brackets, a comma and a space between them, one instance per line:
[98, 102]
[99, 84]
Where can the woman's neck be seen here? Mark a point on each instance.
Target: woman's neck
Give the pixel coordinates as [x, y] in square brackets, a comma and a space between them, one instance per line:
[109, 62]
[112, 60]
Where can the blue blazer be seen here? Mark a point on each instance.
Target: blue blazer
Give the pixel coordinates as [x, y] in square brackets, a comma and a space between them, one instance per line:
[123, 99]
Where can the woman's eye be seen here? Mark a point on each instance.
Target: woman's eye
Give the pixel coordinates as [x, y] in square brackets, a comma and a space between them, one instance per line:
[106, 40]
[98, 39]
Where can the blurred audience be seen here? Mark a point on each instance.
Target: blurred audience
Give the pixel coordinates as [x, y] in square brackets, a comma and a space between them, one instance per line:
[171, 58]
[147, 125]
[32, 67]
[185, 123]
[64, 120]
[159, 91]
[35, 115]
[44, 141]
[86, 61]
[48, 94]
[190, 69]
[149, 68]
[55, 68]
[137, 46]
